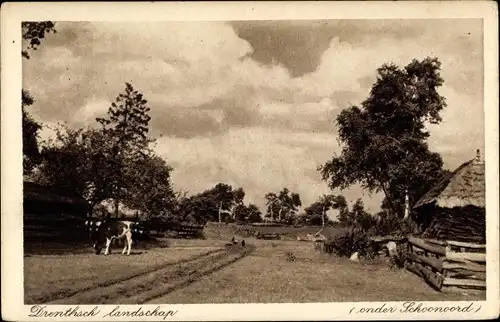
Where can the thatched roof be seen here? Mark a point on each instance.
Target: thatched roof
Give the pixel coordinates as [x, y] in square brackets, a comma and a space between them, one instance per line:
[463, 187]
[40, 193]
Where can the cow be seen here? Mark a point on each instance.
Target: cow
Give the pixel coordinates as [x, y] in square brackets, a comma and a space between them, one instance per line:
[105, 232]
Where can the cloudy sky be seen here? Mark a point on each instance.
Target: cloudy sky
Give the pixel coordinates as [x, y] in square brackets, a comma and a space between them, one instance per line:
[252, 103]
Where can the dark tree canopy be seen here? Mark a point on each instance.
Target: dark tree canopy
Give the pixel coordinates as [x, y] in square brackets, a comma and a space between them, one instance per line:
[384, 144]
[282, 206]
[32, 35]
[112, 161]
[247, 214]
[315, 214]
[216, 204]
[31, 155]
[126, 124]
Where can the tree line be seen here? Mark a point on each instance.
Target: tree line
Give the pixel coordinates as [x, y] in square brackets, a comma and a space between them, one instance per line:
[383, 148]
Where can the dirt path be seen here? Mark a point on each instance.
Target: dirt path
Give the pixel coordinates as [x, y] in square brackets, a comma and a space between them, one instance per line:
[154, 282]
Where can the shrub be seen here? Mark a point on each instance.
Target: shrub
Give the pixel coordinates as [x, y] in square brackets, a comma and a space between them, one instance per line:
[350, 241]
[389, 224]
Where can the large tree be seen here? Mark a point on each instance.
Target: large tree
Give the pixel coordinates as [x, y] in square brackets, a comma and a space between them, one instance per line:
[149, 189]
[79, 159]
[383, 141]
[126, 123]
[282, 205]
[33, 32]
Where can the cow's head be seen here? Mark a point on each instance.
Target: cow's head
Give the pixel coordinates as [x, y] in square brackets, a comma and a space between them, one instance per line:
[98, 247]
[98, 242]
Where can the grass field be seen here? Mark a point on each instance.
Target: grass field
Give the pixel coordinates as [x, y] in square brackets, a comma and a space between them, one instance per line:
[264, 275]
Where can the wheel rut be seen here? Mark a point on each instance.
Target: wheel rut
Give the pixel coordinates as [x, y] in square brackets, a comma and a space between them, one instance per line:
[157, 281]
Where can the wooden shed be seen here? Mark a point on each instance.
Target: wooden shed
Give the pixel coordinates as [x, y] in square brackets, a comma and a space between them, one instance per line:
[451, 251]
[454, 209]
[52, 213]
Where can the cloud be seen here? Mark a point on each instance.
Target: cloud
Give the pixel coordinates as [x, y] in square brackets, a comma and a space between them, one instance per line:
[258, 159]
[253, 103]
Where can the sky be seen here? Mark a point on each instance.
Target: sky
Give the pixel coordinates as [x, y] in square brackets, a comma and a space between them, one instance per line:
[253, 103]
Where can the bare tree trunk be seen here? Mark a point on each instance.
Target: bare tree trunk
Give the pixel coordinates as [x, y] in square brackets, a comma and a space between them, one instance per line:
[279, 214]
[323, 218]
[117, 204]
[220, 209]
[407, 204]
[389, 199]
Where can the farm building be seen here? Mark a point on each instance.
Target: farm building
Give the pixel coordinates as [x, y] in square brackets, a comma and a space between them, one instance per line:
[454, 209]
[52, 213]
[44, 200]
[452, 249]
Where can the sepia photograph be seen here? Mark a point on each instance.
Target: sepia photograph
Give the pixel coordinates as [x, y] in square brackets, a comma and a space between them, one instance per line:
[237, 161]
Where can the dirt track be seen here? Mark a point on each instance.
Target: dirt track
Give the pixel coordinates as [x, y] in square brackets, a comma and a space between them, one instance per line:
[155, 282]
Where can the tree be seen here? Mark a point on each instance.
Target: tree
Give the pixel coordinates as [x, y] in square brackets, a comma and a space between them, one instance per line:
[31, 154]
[150, 190]
[284, 204]
[315, 214]
[79, 159]
[216, 204]
[247, 214]
[32, 35]
[384, 144]
[33, 32]
[127, 125]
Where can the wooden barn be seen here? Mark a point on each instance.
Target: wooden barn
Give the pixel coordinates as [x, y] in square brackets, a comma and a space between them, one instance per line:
[451, 251]
[52, 213]
[50, 200]
[454, 209]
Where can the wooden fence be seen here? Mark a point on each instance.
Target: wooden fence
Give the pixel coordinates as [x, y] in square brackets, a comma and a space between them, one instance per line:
[56, 228]
[447, 263]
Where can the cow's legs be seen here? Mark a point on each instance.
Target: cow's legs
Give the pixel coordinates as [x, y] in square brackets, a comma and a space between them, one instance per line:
[125, 247]
[108, 243]
[129, 242]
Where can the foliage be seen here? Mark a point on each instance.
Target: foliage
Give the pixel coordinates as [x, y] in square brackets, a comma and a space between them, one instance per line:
[149, 189]
[283, 205]
[357, 217]
[348, 242]
[111, 162]
[81, 160]
[31, 154]
[247, 214]
[126, 125]
[215, 204]
[315, 214]
[384, 140]
[33, 32]
[390, 224]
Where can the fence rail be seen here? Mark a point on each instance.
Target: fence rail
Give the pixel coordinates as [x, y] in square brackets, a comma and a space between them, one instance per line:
[442, 265]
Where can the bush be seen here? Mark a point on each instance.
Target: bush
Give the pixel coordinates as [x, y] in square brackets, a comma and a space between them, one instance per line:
[393, 225]
[350, 241]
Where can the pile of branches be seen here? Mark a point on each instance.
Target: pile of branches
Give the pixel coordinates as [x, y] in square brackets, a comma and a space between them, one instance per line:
[467, 224]
[350, 241]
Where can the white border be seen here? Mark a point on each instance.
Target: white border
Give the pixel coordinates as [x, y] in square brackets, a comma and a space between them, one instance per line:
[13, 13]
